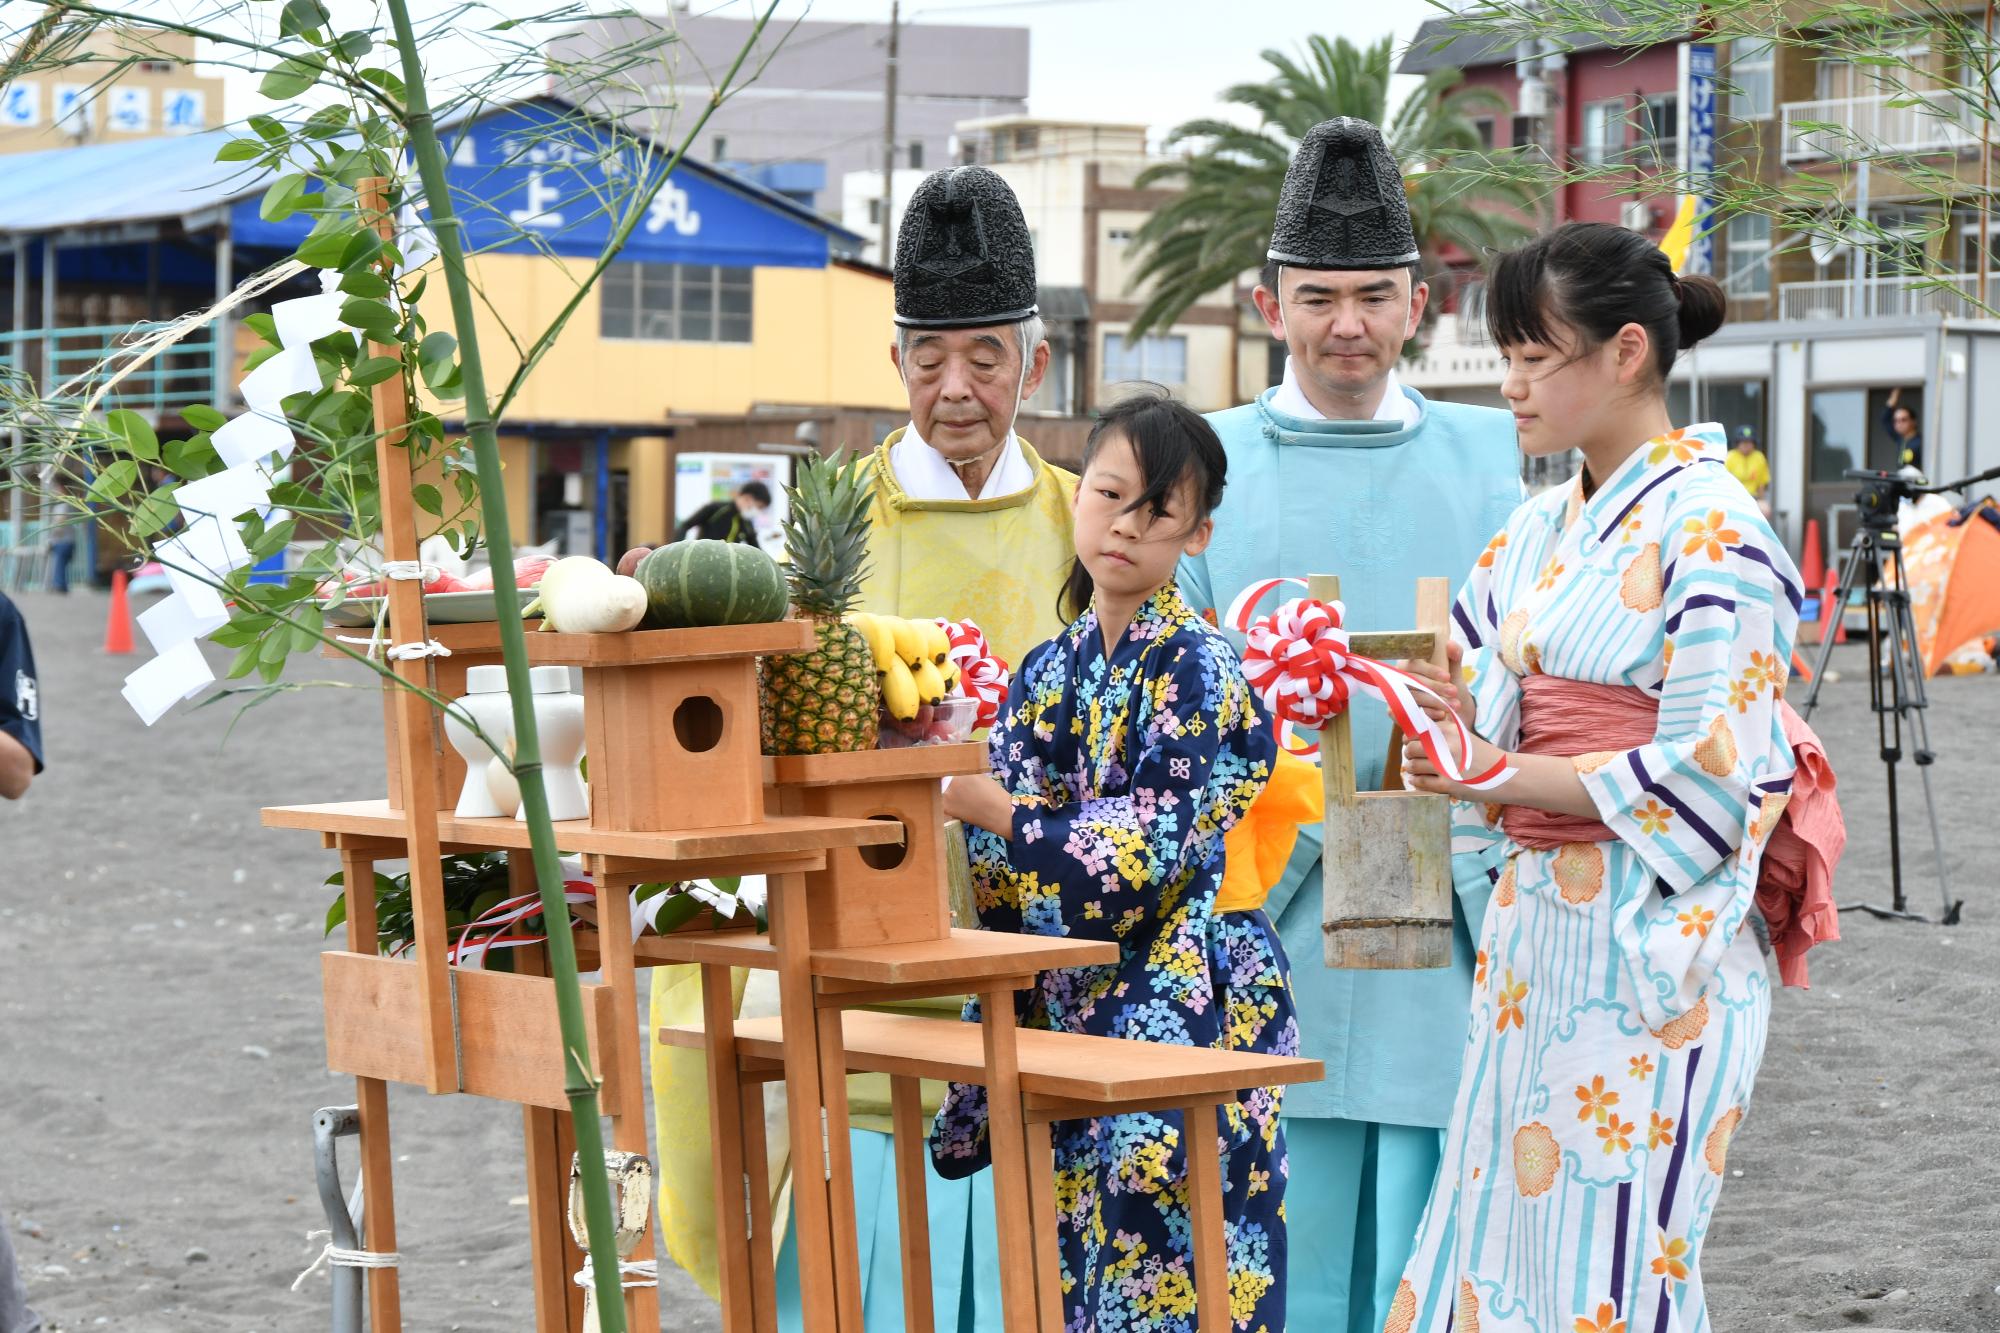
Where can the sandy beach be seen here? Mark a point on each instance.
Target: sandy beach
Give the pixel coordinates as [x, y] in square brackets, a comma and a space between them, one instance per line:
[163, 1053]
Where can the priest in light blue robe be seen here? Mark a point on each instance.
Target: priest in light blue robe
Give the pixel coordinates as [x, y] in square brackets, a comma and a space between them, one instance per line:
[1340, 469]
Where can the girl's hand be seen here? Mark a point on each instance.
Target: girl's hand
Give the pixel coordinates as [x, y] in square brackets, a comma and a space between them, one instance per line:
[1445, 682]
[979, 800]
[1420, 774]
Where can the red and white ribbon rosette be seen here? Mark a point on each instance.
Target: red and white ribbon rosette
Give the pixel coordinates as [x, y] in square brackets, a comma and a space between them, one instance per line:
[1298, 662]
[981, 675]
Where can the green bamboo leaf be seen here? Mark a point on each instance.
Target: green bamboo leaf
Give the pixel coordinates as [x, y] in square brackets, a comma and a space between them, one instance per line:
[336, 913]
[243, 663]
[428, 500]
[301, 17]
[116, 479]
[154, 513]
[269, 129]
[285, 197]
[365, 282]
[323, 249]
[134, 434]
[373, 371]
[354, 45]
[240, 150]
[375, 319]
[263, 326]
[288, 80]
[190, 459]
[386, 81]
[327, 121]
[203, 417]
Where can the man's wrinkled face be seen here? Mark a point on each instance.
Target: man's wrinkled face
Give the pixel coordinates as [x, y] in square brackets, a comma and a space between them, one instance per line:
[964, 386]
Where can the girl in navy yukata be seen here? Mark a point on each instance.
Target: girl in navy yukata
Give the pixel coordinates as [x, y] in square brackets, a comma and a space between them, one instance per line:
[1130, 744]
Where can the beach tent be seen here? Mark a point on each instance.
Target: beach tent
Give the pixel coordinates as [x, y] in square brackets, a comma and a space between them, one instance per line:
[1952, 562]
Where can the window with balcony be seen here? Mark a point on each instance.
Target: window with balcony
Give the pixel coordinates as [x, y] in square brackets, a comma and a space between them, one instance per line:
[1603, 140]
[1158, 357]
[1752, 71]
[675, 303]
[1657, 122]
[1747, 252]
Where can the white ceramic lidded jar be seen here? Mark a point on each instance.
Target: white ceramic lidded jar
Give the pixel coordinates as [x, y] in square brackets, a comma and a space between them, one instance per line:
[487, 703]
[559, 726]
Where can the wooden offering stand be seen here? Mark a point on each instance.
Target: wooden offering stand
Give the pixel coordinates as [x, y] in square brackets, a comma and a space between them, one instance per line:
[872, 926]
[679, 791]
[1386, 861]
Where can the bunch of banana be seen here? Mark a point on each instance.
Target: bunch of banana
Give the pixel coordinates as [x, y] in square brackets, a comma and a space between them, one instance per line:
[913, 659]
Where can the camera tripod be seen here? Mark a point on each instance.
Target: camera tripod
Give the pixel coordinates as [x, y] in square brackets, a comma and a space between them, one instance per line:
[1895, 685]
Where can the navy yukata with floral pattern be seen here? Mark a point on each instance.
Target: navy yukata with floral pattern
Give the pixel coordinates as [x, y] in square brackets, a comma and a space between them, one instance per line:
[1126, 770]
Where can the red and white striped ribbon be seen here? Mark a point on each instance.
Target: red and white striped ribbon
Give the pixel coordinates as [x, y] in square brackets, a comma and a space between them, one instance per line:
[1298, 661]
[981, 675]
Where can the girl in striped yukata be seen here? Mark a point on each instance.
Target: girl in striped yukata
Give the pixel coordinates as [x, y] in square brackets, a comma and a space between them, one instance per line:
[1625, 645]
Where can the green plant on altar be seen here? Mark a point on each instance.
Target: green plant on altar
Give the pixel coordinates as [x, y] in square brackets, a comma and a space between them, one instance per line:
[377, 121]
[476, 883]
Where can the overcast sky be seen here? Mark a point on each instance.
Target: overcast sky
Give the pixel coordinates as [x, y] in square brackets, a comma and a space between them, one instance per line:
[1157, 61]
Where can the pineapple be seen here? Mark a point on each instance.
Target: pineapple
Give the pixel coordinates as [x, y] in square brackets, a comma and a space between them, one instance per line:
[825, 701]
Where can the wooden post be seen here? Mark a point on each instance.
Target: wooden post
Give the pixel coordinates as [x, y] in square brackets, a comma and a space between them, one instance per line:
[1386, 859]
[1045, 1220]
[371, 1099]
[620, 1048]
[419, 761]
[726, 1126]
[1007, 1137]
[906, 1105]
[811, 1197]
[1211, 1250]
[549, 1145]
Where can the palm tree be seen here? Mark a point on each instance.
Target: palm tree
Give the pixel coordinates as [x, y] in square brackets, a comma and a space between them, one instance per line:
[1219, 226]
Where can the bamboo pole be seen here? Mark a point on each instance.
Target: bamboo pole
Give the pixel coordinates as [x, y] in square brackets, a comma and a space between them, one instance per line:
[578, 1084]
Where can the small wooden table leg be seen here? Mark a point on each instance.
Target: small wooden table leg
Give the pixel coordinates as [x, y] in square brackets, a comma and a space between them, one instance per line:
[763, 1250]
[811, 1194]
[906, 1103]
[550, 1143]
[371, 1099]
[1007, 1137]
[628, 1114]
[1211, 1243]
[840, 1170]
[726, 1140]
[1046, 1223]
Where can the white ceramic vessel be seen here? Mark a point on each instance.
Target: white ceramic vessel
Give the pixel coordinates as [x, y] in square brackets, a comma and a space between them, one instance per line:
[559, 724]
[486, 701]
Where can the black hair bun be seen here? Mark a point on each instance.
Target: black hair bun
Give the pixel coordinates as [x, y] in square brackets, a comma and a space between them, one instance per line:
[1703, 307]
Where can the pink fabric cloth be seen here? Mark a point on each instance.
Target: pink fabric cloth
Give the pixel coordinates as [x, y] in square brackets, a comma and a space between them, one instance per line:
[1795, 877]
[1795, 880]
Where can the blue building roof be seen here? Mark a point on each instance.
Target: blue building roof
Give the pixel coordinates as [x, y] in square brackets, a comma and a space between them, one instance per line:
[536, 176]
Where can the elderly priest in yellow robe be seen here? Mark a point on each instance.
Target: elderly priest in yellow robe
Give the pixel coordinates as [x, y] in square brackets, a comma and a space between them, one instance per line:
[969, 523]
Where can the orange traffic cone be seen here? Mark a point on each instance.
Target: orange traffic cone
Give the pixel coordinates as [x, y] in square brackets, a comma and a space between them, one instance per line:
[1812, 567]
[118, 626]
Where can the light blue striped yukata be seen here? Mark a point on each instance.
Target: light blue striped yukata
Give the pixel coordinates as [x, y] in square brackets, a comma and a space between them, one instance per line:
[1618, 1013]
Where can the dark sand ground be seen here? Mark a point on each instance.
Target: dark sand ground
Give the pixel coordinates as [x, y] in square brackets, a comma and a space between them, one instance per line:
[161, 1051]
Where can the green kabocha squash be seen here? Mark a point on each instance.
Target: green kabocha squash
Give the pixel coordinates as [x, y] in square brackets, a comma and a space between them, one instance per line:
[711, 583]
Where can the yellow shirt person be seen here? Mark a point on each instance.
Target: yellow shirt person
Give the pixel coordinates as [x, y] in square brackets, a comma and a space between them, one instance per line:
[1749, 466]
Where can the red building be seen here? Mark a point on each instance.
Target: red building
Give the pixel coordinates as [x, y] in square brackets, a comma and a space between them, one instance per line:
[1591, 105]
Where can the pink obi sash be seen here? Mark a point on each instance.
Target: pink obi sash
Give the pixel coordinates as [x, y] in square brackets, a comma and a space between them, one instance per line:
[1795, 876]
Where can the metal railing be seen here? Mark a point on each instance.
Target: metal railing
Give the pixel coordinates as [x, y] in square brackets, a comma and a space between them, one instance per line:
[1841, 127]
[1953, 295]
[182, 375]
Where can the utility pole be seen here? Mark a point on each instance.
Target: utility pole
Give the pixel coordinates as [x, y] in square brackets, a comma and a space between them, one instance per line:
[889, 134]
